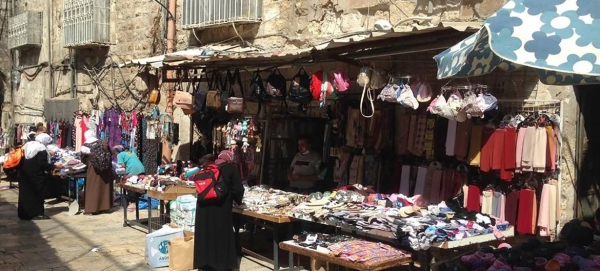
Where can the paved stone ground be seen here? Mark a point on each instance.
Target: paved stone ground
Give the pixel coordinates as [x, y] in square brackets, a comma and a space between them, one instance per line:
[65, 242]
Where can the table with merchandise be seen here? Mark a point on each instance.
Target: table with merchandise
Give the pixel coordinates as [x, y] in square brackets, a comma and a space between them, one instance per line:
[395, 219]
[125, 188]
[346, 251]
[155, 191]
[272, 222]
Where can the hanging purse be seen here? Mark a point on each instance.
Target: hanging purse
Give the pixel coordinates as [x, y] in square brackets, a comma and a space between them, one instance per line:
[183, 99]
[154, 97]
[226, 90]
[235, 105]
[213, 96]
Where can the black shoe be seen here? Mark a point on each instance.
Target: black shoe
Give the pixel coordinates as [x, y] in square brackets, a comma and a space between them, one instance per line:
[41, 217]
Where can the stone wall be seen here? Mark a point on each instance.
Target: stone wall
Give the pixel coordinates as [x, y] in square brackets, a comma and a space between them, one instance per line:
[5, 63]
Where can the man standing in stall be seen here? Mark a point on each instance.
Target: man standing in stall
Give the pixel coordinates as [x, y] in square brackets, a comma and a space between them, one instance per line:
[305, 169]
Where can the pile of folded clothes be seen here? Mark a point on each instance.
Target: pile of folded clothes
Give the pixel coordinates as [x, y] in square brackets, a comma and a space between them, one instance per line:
[270, 201]
[529, 256]
[350, 249]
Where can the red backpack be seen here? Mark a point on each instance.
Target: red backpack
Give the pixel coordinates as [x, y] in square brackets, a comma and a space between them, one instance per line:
[209, 186]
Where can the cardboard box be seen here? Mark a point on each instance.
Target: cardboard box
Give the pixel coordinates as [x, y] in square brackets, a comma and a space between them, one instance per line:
[157, 245]
[180, 190]
[181, 254]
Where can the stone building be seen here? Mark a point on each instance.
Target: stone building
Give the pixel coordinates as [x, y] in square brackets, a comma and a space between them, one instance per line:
[137, 30]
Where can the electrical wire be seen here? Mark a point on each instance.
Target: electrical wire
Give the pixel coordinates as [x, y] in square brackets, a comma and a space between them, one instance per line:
[167, 9]
[251, 30]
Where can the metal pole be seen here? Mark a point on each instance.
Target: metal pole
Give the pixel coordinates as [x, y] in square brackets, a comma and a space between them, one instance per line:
[50, 93]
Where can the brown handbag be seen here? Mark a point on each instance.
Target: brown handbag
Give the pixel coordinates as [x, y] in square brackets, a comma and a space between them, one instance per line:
[235, 105]
[154, 97]
[213, 96]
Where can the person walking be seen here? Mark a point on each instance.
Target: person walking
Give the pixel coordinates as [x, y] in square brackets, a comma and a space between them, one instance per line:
[215, 248]
[99, 188]
[34, 173]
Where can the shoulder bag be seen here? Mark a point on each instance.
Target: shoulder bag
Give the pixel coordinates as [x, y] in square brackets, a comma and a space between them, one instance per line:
[213, 96]
[235, 105]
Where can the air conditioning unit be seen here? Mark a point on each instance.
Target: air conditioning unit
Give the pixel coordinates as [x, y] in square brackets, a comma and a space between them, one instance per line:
[86, 23]
[25, 30]
[213, 13]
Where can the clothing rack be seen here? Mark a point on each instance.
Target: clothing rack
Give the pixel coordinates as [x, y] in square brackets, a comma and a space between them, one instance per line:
[539, 106]
[529, 105]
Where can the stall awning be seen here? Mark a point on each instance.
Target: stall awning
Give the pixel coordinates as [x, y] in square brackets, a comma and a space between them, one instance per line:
[558, 38]
[220, 53]
[215, 53]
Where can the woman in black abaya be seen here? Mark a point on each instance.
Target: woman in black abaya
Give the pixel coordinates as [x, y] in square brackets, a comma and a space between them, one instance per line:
[214, 245]
[32, 186]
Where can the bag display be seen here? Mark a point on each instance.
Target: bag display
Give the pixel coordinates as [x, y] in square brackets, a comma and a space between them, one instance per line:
[184, 100]
[341, 82]
[276, 85]
[257, 86]
[208, 185]
[101, 156]
[154, 97]
[213, 96]
[235, 105]
[299, 89]
[199, 97]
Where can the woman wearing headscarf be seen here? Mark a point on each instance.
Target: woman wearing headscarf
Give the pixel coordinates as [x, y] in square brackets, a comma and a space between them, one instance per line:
[34, 173]
[132, 165]
[214, 220]
[98, 184]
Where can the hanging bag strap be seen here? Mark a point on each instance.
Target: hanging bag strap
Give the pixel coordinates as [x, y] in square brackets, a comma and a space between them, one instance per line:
[196, 84]
[367, 92]
[235, 78]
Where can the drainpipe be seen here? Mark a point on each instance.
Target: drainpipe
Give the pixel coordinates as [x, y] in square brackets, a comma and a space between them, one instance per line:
[73, 64]
[170, 48]
[50, 93]
[166, 156]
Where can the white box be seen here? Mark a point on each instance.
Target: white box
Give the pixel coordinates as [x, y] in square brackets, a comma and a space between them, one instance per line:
[157, 249]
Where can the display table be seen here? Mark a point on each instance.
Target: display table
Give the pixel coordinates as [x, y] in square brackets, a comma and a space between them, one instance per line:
[471, 241]
[325, 257]
[270, 222]
[137, 222]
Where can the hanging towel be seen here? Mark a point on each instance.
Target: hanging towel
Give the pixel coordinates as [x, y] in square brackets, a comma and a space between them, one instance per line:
[461, 149]
[539, 152]
[405, 181]
[526, 215]
[437, 184]
[451, 137]
[510, 209]
[475, 145]
[487, 149]
[528, 149]
[487, 202]
[421, 179]
[519, 149]
[474, 200]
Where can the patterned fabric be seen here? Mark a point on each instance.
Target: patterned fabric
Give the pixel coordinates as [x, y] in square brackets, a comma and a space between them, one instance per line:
[419, 145]
[150, 155]
[428, 143]
[368, 253]
[558, 38]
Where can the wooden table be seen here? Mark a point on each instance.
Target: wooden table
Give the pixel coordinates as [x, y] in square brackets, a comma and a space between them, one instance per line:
[325, 257]
[270, 222]
[124, 203]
